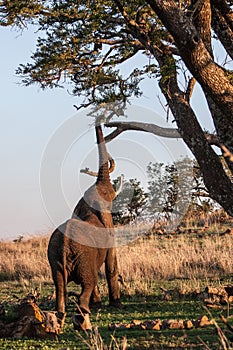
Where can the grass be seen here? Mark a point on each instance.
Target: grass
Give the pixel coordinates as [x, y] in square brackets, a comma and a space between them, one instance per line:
[137, 307]
[191, 256]
[186, 262]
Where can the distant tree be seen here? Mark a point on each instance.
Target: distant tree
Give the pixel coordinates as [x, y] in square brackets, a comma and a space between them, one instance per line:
[170, 186]
[130, 202]
[176, 188]
[157, 187]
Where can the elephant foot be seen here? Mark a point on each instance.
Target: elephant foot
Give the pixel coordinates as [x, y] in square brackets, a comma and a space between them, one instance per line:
[82, 322]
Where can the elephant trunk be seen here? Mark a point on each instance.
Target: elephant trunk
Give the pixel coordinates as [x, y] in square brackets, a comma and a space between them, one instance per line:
[103, 174]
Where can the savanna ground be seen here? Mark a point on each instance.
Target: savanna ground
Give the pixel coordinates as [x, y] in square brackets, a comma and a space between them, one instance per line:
[184, 262]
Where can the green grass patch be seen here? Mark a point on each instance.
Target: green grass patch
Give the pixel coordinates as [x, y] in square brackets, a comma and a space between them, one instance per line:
[136, 307]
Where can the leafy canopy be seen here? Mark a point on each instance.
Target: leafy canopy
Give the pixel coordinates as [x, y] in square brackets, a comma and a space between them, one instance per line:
[85, 43]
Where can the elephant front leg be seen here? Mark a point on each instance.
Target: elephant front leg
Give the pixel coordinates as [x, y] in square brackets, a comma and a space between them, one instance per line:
[85, 297]
[112, 274]
[82, 319]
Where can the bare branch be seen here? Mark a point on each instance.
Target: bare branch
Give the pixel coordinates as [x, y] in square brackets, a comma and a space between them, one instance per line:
[152, 128]
[225, 10]
[83, 105]
[105, 58]
[147, 127]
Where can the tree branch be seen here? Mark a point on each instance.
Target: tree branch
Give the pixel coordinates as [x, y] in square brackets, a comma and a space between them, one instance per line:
[153, 129]
[190, 88]
[201, 17]
[133, 26]
[222, 30]
[211, 76]
[225, 10]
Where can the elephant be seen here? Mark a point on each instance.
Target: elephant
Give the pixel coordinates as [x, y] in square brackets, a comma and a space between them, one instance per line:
[79, 247]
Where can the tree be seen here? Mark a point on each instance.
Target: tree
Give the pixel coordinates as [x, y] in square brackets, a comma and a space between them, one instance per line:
[129, 203]
[176, 191]
[85, 42]
[170, 188]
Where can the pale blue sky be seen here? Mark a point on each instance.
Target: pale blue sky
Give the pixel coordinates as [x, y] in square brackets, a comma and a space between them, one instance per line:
[29, 120]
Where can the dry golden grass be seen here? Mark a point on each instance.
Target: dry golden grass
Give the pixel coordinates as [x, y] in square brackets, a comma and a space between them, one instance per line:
[140, 263]
[26, 259]
[182, 257]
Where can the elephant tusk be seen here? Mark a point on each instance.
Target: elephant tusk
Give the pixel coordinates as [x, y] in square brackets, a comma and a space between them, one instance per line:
[121, 179]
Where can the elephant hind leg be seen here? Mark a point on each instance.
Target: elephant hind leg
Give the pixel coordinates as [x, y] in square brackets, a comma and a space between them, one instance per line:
[61, 294]
[112, 274]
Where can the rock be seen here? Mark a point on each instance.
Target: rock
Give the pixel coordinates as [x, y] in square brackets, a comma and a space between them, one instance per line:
[155, 325]
[136, 322]
[173, 324]
[202, 321]
[31, 322]
[188, 324]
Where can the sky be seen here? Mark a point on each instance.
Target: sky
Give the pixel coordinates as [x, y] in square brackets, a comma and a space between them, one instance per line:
[45, 143]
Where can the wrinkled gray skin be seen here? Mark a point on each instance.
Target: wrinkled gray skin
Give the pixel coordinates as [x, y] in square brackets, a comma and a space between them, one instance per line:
[72, 261]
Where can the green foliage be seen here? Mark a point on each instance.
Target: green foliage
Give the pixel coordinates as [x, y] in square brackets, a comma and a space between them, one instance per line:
[129, 203]
[20, 11]
[172, 189]
[170, 186]
[84, 43]
[177, 187]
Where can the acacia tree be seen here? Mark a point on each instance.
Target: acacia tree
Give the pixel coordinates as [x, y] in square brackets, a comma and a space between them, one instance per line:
[85, 42]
